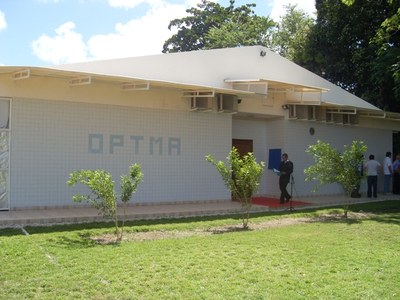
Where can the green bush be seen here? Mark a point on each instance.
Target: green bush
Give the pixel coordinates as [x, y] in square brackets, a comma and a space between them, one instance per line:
[332, 166]
[103, 196]
[241, 176]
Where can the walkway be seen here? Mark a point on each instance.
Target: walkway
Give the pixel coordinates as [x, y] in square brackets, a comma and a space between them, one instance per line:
[141, 212]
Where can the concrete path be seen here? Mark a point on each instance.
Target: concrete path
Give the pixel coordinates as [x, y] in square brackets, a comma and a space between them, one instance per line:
[177, 210]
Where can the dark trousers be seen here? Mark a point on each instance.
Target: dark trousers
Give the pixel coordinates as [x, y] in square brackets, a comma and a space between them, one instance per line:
[283, 182]
[396, 183]
[372, 182]
[356, 192]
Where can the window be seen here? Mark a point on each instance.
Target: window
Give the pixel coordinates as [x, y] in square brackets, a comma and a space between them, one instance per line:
[4, 153]
[4, 113]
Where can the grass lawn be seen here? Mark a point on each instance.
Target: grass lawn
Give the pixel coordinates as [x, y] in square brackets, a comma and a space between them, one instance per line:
[293, 255]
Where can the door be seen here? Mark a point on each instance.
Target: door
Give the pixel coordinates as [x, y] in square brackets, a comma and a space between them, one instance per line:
[4, 153]
[243, 146]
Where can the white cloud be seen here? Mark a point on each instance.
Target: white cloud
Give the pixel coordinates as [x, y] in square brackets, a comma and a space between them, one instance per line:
[278, 10]
[142, 36]
[153, 3]
[66, 46]
[3, 22]
[137, 37]
[126, 3]
[48, 1]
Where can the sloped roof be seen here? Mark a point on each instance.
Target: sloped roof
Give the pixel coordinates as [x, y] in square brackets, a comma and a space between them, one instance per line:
[218, 69]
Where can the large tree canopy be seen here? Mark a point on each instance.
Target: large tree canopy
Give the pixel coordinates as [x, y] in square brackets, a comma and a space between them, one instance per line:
[387, 67]
[352, 43]
[210, 26]
[355, 44]
[291, 32]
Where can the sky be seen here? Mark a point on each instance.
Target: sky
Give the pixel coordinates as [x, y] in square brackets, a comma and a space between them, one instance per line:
[52, 32]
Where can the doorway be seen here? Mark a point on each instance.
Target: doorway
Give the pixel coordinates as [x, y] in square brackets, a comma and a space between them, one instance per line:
[396, 143]
[4, 153]
[243, 146]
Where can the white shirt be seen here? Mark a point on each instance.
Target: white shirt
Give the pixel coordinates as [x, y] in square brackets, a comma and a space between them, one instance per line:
[387, 166]
[372, 166]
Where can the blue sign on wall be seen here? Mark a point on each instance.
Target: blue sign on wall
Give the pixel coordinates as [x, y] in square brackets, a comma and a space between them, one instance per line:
[274, 158]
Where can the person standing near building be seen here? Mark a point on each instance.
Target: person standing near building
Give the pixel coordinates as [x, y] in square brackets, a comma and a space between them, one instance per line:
[360, 168]
[396, 175]
[387, 172]
[372, 167]
[285, 169]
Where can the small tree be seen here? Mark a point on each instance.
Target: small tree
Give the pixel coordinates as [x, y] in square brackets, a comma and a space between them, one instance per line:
[103, 196]
[331, 166]
[241, 176]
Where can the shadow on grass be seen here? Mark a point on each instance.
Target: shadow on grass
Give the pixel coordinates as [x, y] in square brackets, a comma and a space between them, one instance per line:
[109, 224]
[229, 229]
[84, 240]
[387, 218]
[336, 219]
[11, 232]
[384, 211]
[387, 212]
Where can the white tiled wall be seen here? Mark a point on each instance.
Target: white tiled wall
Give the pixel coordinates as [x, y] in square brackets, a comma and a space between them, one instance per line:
[51, 139]
[266, 134]
[298, 138]
[253, 130]
[294, 138]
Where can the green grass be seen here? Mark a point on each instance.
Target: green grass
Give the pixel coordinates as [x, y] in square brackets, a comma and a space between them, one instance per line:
[334, 259]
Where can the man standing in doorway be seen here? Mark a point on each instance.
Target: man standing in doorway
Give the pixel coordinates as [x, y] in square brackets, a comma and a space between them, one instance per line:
[372, 168]
[285, 169]
[387, 171]
[396, 175]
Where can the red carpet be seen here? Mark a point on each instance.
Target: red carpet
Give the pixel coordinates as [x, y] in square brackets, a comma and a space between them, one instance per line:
[272, 202]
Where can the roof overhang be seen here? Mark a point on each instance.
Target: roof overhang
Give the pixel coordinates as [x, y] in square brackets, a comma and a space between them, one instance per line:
[381, 115]
[342, 109]
[126, 82]
[239, 86]
[274, 85]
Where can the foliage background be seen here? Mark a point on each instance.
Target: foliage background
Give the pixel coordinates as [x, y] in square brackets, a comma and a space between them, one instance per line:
[351, 43]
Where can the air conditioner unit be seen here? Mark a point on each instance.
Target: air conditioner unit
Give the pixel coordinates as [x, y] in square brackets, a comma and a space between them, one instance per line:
[300, 112]
[350, 119]
[307, 112]
[320, 113]
[201, 103]
[227, 103]
[334, 118]
[342, 116]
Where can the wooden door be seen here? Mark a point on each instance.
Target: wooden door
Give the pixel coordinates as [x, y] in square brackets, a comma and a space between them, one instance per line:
[243, 146]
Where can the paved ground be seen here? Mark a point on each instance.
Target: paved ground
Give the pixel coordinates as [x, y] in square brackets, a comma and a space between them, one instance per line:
[140, 212]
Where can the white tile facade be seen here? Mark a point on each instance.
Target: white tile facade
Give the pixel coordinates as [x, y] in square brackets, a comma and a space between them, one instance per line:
[294, 138]
[57, 127]
[51, 139]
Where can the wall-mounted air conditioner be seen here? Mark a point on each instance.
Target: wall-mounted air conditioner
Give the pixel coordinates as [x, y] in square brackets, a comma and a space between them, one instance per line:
[350, 119]
[227, 103]
[320, 113]
[201, 100]
[342, 116]
[201, 103]
[301, 112]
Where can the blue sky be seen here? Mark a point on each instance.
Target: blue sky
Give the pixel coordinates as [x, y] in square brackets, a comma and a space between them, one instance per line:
[50, 32]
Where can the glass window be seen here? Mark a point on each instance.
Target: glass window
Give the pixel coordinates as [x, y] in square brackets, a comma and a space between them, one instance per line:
[4, 113]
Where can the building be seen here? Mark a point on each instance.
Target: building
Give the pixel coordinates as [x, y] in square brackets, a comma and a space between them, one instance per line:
[166, 112]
